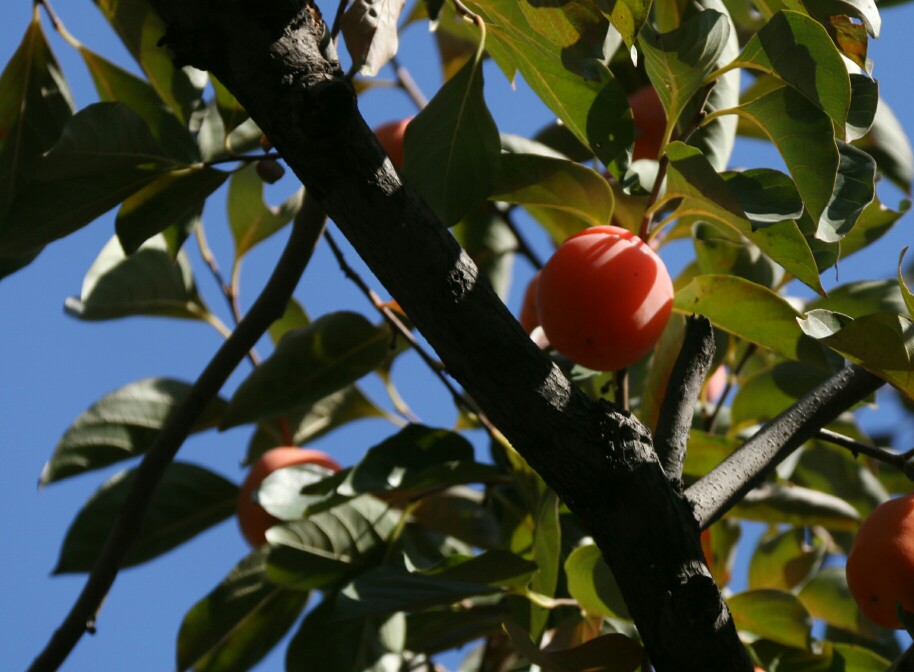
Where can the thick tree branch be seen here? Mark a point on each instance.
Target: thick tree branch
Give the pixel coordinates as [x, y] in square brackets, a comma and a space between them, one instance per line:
[715, 493]
[268, 307]
[277, 59]
[678, 408]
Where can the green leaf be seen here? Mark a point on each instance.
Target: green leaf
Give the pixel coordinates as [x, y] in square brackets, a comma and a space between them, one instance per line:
[766, 194]
[172, 198]
[678, 62]
[804, 136]
[543, 182]
[720, 251]
[626, 16]
[875, 221]
[121, 425]
[854, 189]
[492, 568]
[857, 299]
[706, 451]
[826, 596]
[791, 46]
[784, 560]
[888, 143]
[556, 49]
[34, 109]
[864, 103]
[308, 365]
[490, 243]
[189, 499]
[239, 621]
[370, 30]
[141, 30]
[801, 507]
[230, 110]
[859, 659]
[105, 154]
[611, 652]
[439, 630]
[767, 393]
[324, 642]
[547, 550]
[328, 546]
[592, 584]
[250, 219]
[385, 589]
[772, 614]
[905, 292]
[116, 85]
[147, 283]
[452, 146]
[752, 312]
[881, 341]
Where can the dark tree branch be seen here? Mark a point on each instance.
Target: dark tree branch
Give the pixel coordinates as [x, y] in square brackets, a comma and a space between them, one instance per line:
[897, 460]
[678, 408]
[268, 307]
[715, 493]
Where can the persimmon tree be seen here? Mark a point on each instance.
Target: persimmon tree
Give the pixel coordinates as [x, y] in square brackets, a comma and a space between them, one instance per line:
[579, 544]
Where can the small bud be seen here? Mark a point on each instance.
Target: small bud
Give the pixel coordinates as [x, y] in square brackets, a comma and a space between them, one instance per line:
[270, 171]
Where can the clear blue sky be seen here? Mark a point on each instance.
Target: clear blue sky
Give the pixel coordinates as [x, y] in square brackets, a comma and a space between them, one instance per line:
[53, 367]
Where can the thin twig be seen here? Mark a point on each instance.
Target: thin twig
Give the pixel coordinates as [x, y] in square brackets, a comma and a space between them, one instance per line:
[243, 158]
[268, 307]
[392, 318]
[897, 460]
[337, 20]
[58, 24]
[406, 82]
[620, 380]
[522, 246]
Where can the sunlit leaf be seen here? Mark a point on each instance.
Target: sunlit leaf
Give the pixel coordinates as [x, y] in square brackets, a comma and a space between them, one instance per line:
[148, 282]
[875, 221]
[721, 251]
[767, 393]
[677, 62]
[856, 299]
[308, 365]
[250, 220]
[452, 147]
[905, 292]
[864, 103]
[187, 501]
[888, 143]
[543, 182]
[882, 340]
[752, 312]
[784, 560]
[854, 190]
[827, 597]
[121, 425]
[627, 16]
[797, 506]
[239, 621]
[370, 30]
[554, 48]
[592, 584]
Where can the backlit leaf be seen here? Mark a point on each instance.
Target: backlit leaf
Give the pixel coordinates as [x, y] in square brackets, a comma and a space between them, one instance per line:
[188, 500]
[121, 425]
[309, 364]
[888, 143]
[250, 220]
[370, 30]
[239, 622]
[797, 506]
[784, 560]
[772, 614]
[591, 583]
[826, 596]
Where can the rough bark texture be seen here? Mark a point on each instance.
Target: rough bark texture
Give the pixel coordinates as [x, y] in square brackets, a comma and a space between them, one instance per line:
[599, 461]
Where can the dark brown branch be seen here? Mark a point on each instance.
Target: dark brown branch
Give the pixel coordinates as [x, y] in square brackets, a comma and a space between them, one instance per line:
[714, 494]
[274, 57]
[678, 408]
[268, 307]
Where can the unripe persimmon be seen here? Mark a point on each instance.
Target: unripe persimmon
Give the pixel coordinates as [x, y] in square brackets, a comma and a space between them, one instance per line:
[253, 519]
[604, 298]
[391, 135]
[880, 566]
[650, 122]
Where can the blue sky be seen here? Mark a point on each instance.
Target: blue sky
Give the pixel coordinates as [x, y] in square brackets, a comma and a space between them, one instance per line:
[53, 367]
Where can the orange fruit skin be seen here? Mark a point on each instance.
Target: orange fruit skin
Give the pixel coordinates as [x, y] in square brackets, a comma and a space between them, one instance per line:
[529, 317]
[391, 135]
[880, 566]
[604, 298]
[253, 519]
[650, 122]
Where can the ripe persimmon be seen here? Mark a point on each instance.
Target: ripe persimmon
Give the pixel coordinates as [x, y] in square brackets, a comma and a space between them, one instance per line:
[391, 135]
[650, 122]
[253, 519]
[880, 566]
[528, 317]
[604, 298]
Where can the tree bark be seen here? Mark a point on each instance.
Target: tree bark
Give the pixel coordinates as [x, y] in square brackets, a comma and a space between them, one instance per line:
[598, 460]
